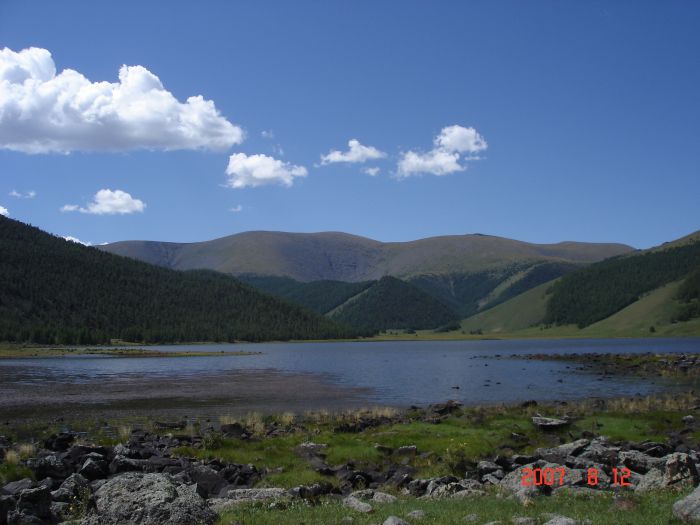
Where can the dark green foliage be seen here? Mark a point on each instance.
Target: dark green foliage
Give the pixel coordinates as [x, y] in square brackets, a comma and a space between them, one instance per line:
[540, 274]
[319, 296]
[54, 291]
[689, 294]
[392, 303]
[463, 291]
[593, 293]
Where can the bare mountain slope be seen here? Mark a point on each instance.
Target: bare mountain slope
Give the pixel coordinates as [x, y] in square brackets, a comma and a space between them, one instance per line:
[345, 257]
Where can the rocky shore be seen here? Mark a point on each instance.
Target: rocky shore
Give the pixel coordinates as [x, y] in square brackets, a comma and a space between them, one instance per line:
[149, 478]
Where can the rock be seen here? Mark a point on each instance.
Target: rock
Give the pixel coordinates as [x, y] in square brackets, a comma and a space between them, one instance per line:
[122, 464]
[233, 430]
[638, 461]
[207, 479]
[416, 514]
[680, 468]
[355, 504]
[549, 423]
[15, 487]
[383, 497]
[94, 469]
[560, 453]
[148, 499]
[75, 486]
[15, 517]
[50, 466]
[394, 520]
[248, 495]
[688, 508]
[494, 523]
[486, 467]
[60, 511]
[407, 450]
[523, 521]
[688, 420]
[59, 442]
[561, 520]
[7, 503]
[471, 518]
[36, 502]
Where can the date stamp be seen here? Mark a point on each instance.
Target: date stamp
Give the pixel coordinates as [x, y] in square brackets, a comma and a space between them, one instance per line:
[552, 477]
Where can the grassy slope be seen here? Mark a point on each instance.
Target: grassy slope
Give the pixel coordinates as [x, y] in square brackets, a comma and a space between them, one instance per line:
[518, 316]
[519, 313]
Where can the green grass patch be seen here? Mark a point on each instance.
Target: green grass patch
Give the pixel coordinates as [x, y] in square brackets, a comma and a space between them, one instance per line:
[651, 509]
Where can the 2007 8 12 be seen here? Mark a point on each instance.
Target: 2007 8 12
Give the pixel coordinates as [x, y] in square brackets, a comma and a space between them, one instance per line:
[555, 476]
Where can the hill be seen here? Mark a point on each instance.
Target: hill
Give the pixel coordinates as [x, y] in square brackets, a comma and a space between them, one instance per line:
[342, 257]
[391, 303]
[55, 291]
[596, 292]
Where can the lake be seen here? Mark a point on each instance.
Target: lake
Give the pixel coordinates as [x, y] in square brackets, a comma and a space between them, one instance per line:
[298, 376]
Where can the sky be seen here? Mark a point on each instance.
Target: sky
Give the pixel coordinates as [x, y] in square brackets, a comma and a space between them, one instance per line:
[542, 121]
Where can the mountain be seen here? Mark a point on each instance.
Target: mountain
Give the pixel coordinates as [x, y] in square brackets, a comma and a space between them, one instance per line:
[55, 291]
[392, 303]
[342, 257]
[655, 291]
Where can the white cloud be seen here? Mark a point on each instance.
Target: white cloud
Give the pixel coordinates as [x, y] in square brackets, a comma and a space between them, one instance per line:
[237, 208]
[75, 239]
[108, 202]
[4, 212]
[26, 195]
[372, 172]
[259, 170]
[267, 134]
[445, 157]
[356, 153]
[460, 140]
[43, 112]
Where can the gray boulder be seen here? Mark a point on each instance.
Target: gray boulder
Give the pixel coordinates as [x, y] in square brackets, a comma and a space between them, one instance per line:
[357, 505]
[148, 499]
[35, 502]
[393, 520]
[75, 486]
[561, 520]
[688, 508]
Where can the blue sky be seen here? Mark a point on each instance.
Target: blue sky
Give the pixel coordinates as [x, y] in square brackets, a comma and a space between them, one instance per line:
[590, 112]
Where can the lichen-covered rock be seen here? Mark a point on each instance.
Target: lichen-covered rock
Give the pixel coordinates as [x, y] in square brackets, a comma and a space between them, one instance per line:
[75, 486]
[357, 505]
[148, 499]
[688, 508]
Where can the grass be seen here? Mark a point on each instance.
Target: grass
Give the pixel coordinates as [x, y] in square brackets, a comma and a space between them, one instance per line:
[445, 448]
[601, 510]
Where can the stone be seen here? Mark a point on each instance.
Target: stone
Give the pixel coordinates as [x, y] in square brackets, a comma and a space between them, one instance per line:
[560, 453]
[15, 487]
[148, 499]
[548, 423]
[59, 442]
[486, 467]
[688, 508]
[75, 486]
[248, 495]
[471, 518]
[15, 517]
[561, 520]
[7, 503]
[357, 505]
[680, 468]
[383, 497]
[207, 479]
[60, 511]
[638, 461]
[233, 430]
[416, 514]
[94, 469]
[394, 520]
[36, 502]
[50, 466]
[407, 450]
[523, 521]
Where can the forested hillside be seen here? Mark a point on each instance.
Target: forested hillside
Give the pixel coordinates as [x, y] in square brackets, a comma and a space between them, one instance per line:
[689, 295]
[319, 296]
[392, 303]
[55, 291]
[593, 293]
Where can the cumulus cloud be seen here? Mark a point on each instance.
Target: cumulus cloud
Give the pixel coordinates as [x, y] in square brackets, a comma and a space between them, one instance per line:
[108, 202]
[4, 212]
[372, 172]
[237, 208]
[42, 111]
[355, 154]
[259, 170]
[76, 240]
[453, 145]
[267, 134]
[26, 195]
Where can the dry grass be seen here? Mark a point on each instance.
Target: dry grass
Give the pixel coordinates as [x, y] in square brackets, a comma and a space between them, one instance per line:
[12, 457]
[124, 432]
[287, 419]
[254, 423]
[26, 450]
[227, 420]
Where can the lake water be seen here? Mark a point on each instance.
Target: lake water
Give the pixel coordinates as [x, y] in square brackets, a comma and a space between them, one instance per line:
[398, 373]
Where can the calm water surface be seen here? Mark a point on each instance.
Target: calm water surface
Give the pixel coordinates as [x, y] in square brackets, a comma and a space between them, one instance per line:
[393, 373]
